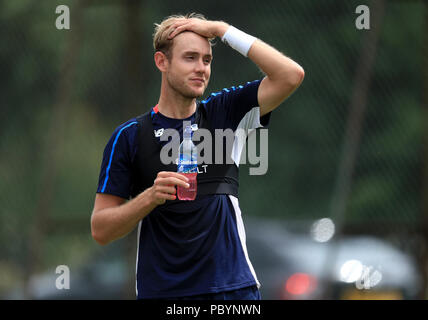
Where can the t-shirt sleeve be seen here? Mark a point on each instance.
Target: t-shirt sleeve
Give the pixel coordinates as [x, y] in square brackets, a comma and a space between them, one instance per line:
[116, 168]
[236, 107]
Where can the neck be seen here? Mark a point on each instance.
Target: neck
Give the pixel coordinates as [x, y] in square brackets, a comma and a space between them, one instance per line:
[173, 104]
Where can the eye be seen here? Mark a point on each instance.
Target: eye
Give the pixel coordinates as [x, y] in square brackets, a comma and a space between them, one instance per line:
[190, 57]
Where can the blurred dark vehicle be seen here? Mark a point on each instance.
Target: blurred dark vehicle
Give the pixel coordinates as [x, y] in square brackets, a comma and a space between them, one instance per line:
[293, 265]
[289, 265]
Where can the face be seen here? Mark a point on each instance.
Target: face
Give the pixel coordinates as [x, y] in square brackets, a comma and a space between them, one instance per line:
[189, 67]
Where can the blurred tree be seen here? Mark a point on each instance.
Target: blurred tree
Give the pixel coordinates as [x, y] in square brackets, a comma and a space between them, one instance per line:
[351, 144]
[357, 107]
[51, 150]
[134, 55]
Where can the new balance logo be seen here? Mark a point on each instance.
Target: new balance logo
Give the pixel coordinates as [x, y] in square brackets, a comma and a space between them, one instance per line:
[159, 132]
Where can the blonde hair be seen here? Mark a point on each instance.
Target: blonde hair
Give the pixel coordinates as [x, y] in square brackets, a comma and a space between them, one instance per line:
[160, 37]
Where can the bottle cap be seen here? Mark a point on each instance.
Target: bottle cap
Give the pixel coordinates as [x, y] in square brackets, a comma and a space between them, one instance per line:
[187, 132]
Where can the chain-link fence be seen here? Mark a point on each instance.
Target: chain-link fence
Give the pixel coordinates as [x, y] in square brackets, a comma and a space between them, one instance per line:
[347, 145]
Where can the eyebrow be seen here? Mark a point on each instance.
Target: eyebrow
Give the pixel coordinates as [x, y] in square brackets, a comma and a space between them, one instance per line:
[197, 53]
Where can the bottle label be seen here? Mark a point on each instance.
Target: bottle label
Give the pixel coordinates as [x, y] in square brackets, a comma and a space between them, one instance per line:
[187, 168]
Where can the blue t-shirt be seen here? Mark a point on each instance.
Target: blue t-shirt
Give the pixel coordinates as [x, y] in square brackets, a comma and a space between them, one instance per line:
[188, 247]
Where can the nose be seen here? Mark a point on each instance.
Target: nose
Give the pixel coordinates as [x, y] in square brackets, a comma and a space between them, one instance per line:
[200, 67]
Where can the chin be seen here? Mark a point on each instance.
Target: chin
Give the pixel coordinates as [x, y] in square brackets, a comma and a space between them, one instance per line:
[189, 91]
[199, 94]
[196, 93]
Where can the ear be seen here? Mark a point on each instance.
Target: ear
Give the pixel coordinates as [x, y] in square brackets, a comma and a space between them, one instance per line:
[161, 61]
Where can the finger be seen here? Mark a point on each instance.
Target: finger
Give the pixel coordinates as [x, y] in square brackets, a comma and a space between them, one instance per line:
[170, 181]
[180, 28]
[174, 181]
[167, 196]
[179, 23]
[166, 189]
[166, 174]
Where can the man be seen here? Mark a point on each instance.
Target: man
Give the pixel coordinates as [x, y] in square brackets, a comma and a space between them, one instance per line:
[188, 249]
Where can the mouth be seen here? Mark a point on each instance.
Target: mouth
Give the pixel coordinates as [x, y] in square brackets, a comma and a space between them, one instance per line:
[198, 80]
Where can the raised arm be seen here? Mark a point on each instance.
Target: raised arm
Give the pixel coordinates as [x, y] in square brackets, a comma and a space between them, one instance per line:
[283, 75]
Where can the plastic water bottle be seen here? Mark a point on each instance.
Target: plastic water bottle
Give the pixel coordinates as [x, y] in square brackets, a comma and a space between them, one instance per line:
[188, 165]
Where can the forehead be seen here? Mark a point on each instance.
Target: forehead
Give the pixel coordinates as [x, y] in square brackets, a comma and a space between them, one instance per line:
[190, 41]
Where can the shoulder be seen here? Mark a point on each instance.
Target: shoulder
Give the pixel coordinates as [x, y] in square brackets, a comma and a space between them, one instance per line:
[231, 92]
[126, 127]
[123, 138]
[126, 130]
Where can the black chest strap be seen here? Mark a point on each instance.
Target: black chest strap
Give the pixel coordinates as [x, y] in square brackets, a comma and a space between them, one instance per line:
[212, 178]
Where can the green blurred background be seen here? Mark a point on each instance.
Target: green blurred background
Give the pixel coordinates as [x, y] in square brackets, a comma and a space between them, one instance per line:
[348, 144]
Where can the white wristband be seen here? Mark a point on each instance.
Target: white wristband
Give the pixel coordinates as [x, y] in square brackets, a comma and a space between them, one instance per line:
[238, 40]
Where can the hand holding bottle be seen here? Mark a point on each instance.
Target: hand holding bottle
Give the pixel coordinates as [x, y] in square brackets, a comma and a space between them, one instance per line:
[164, 186]
[187, 166]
